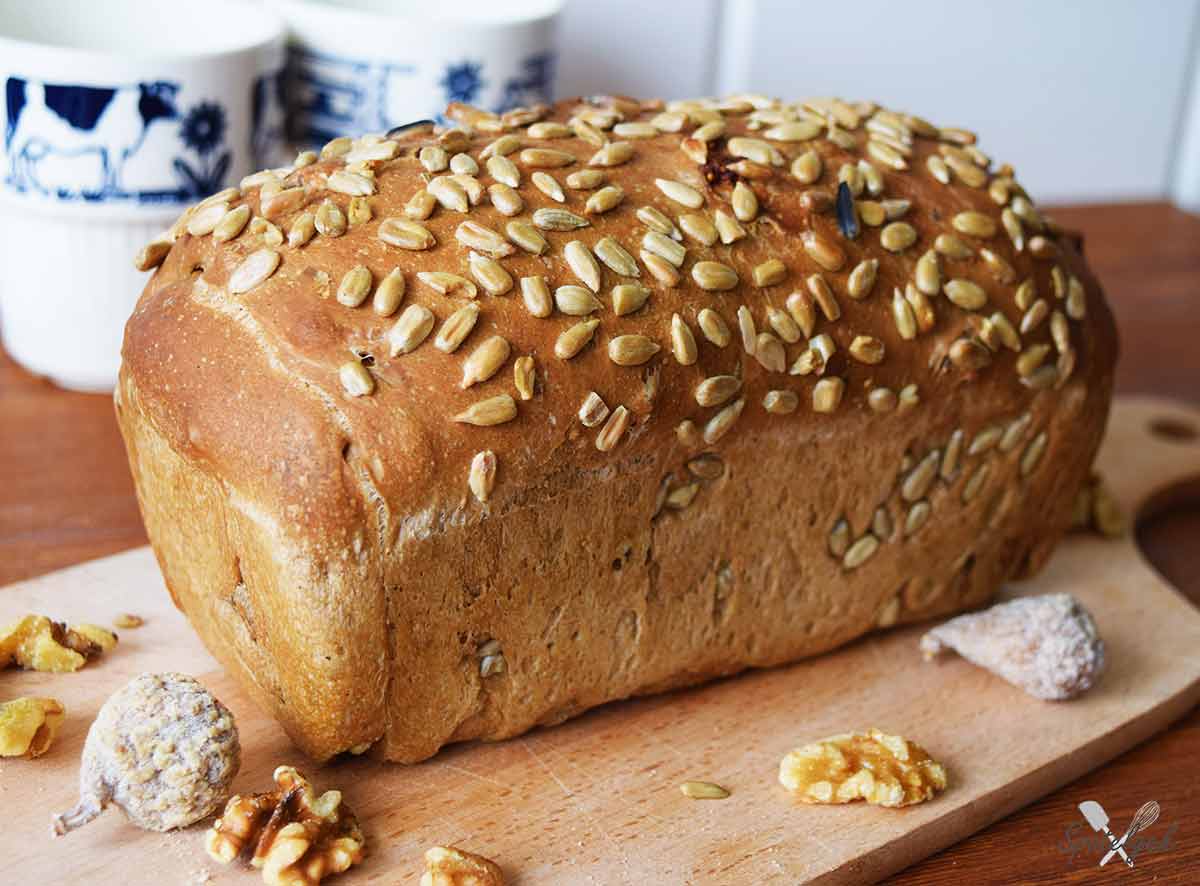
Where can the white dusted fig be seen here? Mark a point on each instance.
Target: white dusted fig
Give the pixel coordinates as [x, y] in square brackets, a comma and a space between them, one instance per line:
[162, 749]
[1046, 645]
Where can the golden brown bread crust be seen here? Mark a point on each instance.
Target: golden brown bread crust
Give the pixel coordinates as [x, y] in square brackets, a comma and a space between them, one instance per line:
[329, 549]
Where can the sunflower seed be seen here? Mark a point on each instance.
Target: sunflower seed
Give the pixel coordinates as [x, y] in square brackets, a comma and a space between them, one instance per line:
[1027, 214]
[506, 200]
[703, 790]
[481, 479]
[504, 171]
[359, 211]
[802, 309]
[974, 224]
[867, 349]
[614, 428]
[1060, 332]
[445, 283]
[683, 343]
[356, 380]
[267, 232]
[615, 257]
[546, 158]
[807, 167]
[254, 269]
[628, 297]
[697, 226]
[985, 439]
[1026, 294]
[967, 295]
[872, 177]
[881, 400]
[755, 150]
[898, 236]
[769, 273]
[558, 220]
[928, 274]
[526, 236]
[501, 147]
[1012, 227]
[635, 130]
[631, 350]
[769, 352]
[485, 361]
[717, 390]
[1076, 303]
[917, 516]
[862, 278]
[586, 131]
[303, 229]
[822, 250]
[413, 327]
[575, 301]
[574, 339]
[721, 423]
[839, 538]
[975, 483]
[824, 297]
[549, 129]
[851, 176]
[456, 328]
[1004, 328]
[783, 324]
[355, 286]
[794, 131]
[585, 179]
[661, 269]
[612, 154]
[231, 224]
[950, 458]
[205, 220]
[657, 222]
[434, 158]
[683, 194]
[593, 410]
[605, 199]
[937, 168]
[710, 131]
[352, 184]
[922, 309]
[921, 477]
[664, 247]
[744, 202]
[707, 467]
[1031, 358]
[548, 185]
[668, 121]
[714, 327]
[827, 394]
[881, 524]
[536, 295]
[952, 247]
[1014, 431]
[405, 234]
[492, 411]
[860, 552]
[583, 264]
[420, 205]
[463, 164]
[490, 274]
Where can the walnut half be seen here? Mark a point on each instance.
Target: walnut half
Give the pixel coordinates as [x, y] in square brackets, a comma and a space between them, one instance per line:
[37, 643]
[886, 770]
[28, 726]
[299, 838]
[450, 866]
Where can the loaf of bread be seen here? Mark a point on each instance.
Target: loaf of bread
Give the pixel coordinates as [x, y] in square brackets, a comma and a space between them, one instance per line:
[448, 433]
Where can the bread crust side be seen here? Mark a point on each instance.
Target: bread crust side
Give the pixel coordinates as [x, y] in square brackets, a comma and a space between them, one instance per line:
[329, 551]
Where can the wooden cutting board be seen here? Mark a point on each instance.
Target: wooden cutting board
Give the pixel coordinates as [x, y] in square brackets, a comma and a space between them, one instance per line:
[597, 799]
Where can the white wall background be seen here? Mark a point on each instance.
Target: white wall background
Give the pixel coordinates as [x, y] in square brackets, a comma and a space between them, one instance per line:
[1090, 101]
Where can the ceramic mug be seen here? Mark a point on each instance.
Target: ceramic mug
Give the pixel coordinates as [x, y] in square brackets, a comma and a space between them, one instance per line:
[358, 66]
[116, 116]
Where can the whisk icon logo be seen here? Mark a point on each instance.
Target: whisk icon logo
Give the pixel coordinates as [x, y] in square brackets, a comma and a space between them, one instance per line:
[1097, 818]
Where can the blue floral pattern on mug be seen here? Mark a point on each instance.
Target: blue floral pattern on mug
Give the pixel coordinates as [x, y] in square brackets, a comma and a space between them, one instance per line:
[74, 142]
[332, 95]
[462, 82]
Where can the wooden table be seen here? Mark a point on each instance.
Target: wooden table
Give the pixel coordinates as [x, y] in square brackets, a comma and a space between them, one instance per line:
[66, 496]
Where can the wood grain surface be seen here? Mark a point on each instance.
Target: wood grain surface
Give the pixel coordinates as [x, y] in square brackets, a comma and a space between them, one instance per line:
[65, 497]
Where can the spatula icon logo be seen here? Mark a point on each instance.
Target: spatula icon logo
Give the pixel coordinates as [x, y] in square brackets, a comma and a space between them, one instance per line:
[1097, 818]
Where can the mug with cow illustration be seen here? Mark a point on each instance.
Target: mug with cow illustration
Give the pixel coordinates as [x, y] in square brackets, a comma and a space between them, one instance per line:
[116, 115]
[357, 66]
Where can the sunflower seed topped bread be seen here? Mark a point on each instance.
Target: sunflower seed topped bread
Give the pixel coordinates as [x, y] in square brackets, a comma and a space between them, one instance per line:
[447, 433]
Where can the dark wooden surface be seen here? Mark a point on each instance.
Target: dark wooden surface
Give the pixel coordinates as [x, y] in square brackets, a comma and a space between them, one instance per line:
[66, 496]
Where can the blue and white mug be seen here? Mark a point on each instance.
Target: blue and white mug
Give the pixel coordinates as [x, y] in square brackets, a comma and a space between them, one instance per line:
[358, 66]
[116, 116]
